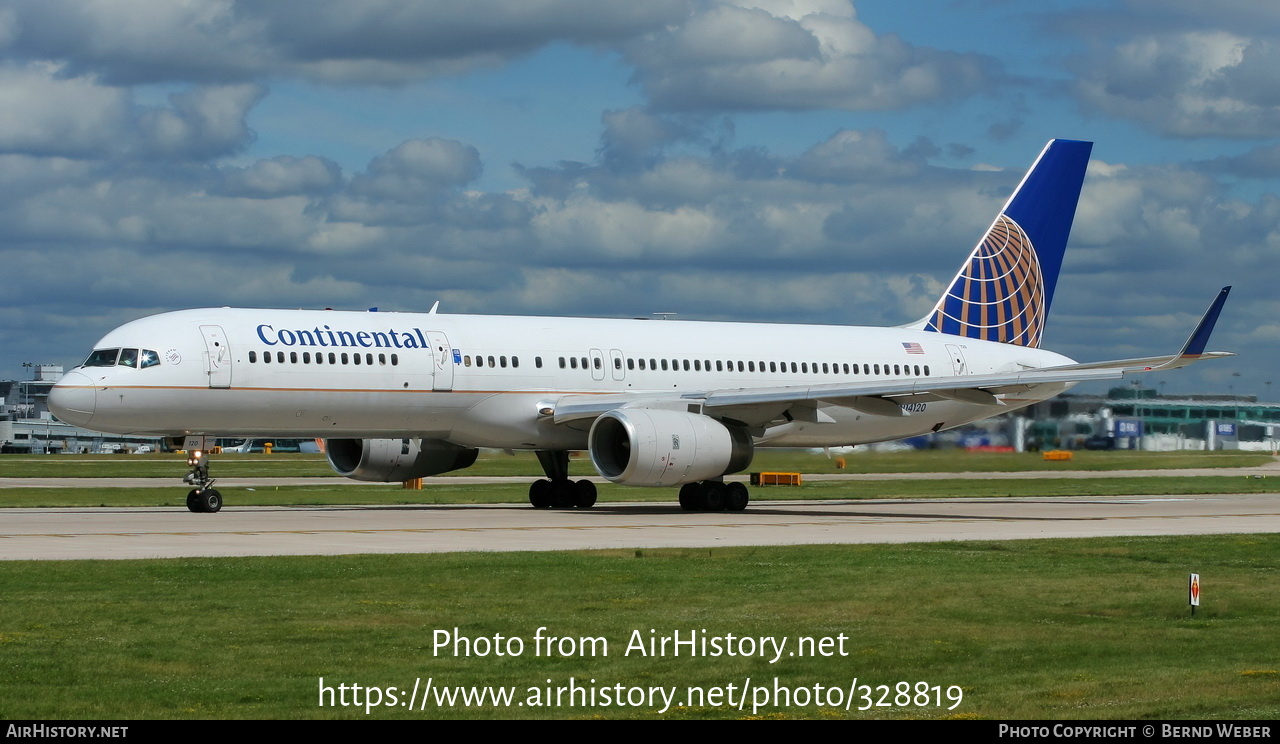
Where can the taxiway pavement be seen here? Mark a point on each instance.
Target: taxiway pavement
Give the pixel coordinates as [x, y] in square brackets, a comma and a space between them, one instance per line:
[118, 533]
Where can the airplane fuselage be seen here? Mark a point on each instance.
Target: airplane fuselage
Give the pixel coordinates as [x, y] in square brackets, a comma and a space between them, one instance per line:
[487, 381]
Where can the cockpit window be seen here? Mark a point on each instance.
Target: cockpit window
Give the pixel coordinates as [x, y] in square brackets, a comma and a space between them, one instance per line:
[102, 358]
[149, 358]
[128, 358]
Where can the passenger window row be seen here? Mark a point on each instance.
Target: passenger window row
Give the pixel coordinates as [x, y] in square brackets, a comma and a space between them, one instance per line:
[775, 367]
[306, 357]
[499, 361]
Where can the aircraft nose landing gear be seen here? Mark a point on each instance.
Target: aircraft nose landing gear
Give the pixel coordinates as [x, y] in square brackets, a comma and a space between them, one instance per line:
[202, 498]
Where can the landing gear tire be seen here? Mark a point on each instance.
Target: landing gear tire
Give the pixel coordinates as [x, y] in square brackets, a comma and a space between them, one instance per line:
[207, 501]
[736, 497]
[689, 497]
[584, 494]
[210, 501]
[713, 496]
[564, 494]
[540, 494]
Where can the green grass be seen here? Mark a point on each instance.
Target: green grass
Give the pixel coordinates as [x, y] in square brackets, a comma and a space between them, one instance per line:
[1070, 629]
[525, 464]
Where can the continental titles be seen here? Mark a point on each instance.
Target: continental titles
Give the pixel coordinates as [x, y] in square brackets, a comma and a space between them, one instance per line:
[328, 337]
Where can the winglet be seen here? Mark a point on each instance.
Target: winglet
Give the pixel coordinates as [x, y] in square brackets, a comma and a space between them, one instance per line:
[1192, 351]
[1200, 336]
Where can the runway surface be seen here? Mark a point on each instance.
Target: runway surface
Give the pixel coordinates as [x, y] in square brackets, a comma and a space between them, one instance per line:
[174, 532]
[1259, 471]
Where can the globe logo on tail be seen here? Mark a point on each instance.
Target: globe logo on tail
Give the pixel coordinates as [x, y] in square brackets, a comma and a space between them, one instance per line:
[999, 294]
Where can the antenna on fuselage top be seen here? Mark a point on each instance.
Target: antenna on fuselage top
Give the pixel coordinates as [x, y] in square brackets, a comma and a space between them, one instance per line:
[665, 316]
[434, 307]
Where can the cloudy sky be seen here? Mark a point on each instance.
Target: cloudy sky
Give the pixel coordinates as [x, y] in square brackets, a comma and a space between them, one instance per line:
[818, 161]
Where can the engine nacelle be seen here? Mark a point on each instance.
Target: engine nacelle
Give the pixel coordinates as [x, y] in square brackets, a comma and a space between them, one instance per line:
[654, 447]
[391, 460]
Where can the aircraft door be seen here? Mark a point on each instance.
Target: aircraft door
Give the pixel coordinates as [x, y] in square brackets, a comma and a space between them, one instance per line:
[597, 364]
[958, 366]
[616, 363]
[442, 353]
[217, 356]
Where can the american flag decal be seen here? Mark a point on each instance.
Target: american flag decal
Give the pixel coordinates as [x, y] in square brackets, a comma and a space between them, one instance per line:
[912, 347]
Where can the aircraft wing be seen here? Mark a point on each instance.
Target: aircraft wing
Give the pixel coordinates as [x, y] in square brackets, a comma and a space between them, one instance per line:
[755, 406]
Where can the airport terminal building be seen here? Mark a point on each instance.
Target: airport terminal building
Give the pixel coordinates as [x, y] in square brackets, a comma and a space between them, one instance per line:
[1141, 418]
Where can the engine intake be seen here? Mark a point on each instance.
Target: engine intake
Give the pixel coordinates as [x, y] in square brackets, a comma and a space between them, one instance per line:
[391, 460]
[654, 447]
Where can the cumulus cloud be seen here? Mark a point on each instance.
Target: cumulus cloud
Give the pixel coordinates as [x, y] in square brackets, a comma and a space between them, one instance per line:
[43, 112]
[852, 230]
[130, 42]
[283, 175]
[751, 55]
[409, 184]
[690, 55]
[851, 155]
[1209, 82]
[201, 124]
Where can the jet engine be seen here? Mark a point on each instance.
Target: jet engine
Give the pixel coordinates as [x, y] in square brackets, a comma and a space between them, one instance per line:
[390, 460]
[654, 447]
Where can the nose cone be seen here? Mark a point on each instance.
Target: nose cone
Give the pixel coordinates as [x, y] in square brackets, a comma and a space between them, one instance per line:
[73, 399]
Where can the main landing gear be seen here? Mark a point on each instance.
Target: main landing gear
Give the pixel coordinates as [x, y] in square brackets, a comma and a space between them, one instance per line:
[714, 495]
[204, 497]
[556, 489]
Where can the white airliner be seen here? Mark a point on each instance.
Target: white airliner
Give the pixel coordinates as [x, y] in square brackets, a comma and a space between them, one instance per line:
[656, 403]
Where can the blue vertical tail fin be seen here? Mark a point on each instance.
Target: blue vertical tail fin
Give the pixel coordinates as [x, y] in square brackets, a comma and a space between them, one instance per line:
[1003, 291]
